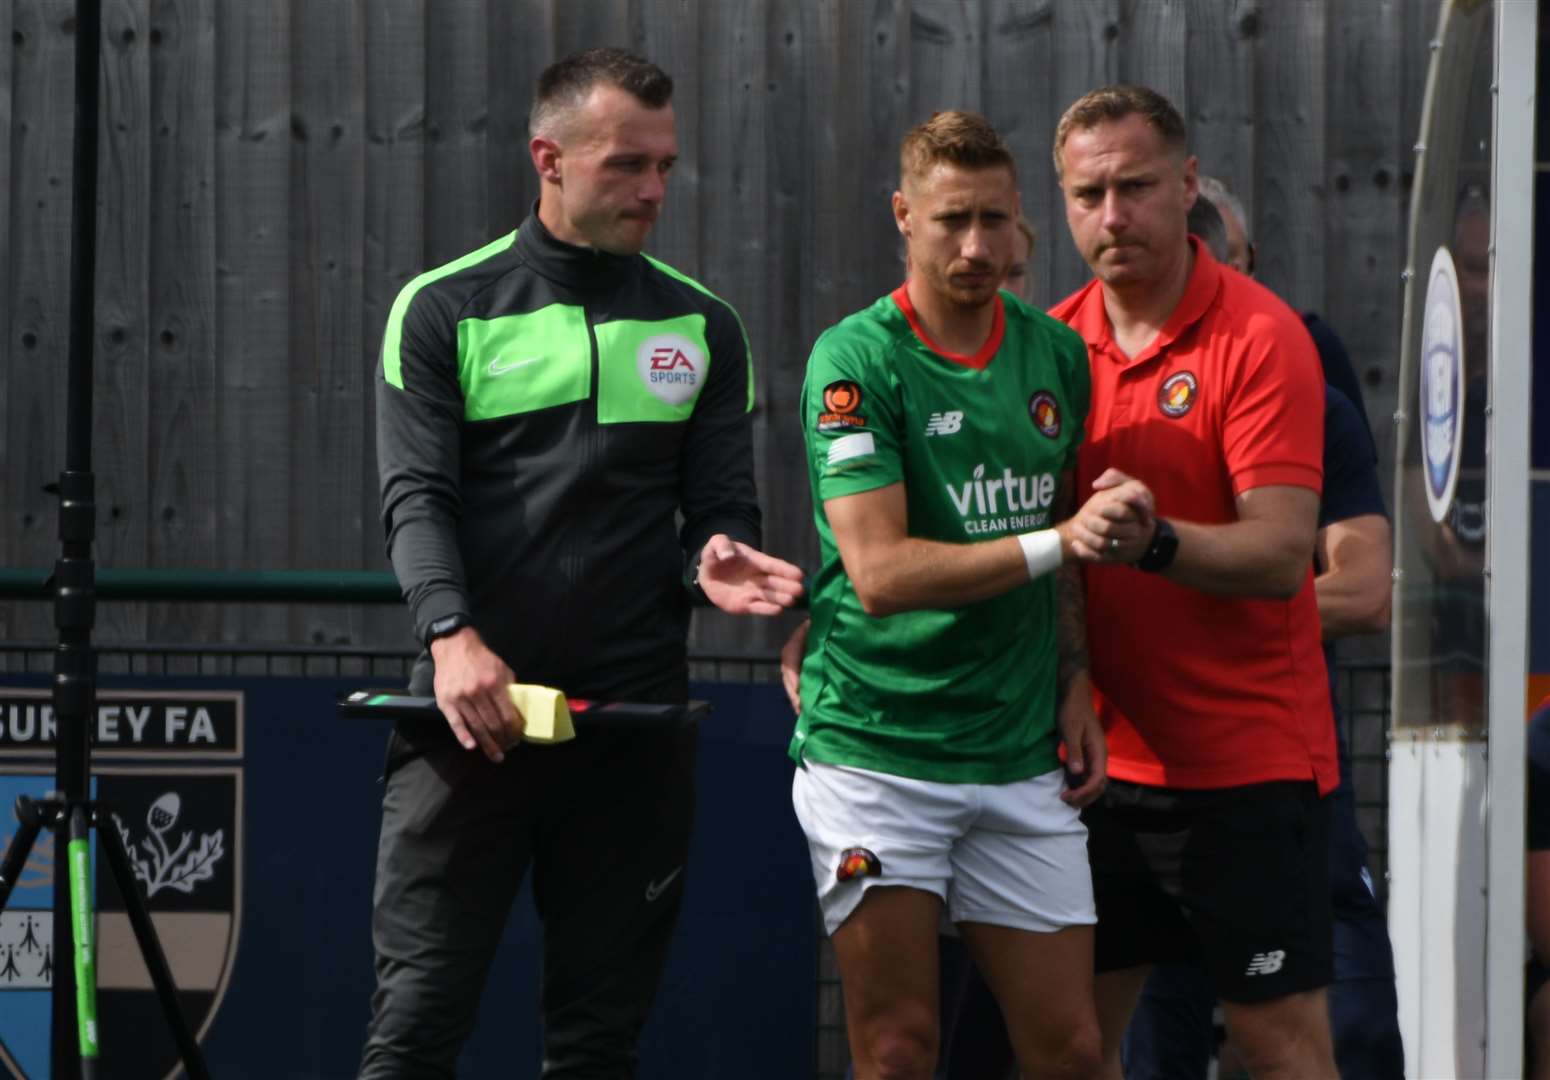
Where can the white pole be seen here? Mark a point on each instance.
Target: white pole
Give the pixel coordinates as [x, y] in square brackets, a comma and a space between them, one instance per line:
[1507, 534]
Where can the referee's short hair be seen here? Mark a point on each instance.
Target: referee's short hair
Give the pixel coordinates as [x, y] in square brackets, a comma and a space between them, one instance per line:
[957, 137]
[565, 84]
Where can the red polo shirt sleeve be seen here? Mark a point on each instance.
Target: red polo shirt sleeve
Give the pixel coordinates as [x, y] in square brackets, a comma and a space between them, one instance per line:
[1273, 425]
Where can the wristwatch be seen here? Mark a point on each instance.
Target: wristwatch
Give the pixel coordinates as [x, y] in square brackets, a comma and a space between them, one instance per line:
[1160, 552]
[447, 624]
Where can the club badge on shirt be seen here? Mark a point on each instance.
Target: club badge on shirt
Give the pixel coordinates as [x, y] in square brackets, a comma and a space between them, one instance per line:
[1178, 393]
[1044, 410]
[858, 862]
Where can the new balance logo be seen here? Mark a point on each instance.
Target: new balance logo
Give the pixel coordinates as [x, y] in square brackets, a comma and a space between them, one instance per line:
[1266, 963]
[944, 423]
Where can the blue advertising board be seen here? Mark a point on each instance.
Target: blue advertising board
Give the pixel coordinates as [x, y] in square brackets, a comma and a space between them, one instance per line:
[251, 813]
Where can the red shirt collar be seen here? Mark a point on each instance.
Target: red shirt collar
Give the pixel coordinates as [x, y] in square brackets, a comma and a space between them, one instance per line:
[981, 359]
[1091, 319]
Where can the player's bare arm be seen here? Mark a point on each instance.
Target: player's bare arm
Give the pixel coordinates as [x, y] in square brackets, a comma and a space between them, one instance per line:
[1354, 582]
[893, 571]
[1073, 601]
[791, 654]
[1086, 749]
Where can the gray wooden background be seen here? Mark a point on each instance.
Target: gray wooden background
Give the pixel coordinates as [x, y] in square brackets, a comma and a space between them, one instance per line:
[274, 170]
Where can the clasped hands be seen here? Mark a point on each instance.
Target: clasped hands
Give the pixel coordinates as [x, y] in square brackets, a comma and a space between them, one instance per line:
[1116, 523]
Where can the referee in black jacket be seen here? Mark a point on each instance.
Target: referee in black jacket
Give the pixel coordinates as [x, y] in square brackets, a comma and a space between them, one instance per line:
[549, 408]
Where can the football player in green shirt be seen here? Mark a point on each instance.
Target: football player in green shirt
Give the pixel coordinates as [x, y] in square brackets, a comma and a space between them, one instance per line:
[945, 662]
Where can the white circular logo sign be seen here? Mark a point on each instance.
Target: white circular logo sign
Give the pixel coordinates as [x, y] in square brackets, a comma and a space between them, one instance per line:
[1441, 384]
[671, 366]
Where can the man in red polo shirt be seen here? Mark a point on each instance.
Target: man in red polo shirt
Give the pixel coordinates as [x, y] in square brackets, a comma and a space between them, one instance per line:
[1210, 845]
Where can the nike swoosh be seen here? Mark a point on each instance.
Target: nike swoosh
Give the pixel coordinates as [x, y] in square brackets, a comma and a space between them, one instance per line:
[656, 888]
[498, 368]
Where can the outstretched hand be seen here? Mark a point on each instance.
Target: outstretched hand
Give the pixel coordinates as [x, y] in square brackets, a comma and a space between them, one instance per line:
[745, 581]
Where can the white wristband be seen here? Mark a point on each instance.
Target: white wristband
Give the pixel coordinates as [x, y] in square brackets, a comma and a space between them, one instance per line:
[1041, 551]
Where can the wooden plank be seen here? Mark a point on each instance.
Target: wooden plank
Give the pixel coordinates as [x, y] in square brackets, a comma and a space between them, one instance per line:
[328, 357]
[1152, 49]
[1291, 208]
[1087, 57]
[456, 114]
[730, 231]
[885, 39]
[1367, 208]
[1017, 96]
[521, 44]
[121, 419]
[667, 32]
[1222, 45]
[252, 296]
[588, 24]
[184, 445]
[43, 50]
[394, 235]
[945, 68]
[797, 44]
[7, 59]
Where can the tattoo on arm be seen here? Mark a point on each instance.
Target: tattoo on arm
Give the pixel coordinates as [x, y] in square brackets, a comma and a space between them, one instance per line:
[1072, 601]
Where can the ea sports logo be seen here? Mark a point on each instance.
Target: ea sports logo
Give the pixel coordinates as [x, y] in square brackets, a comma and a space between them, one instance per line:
[671, 366]
[1178, 393]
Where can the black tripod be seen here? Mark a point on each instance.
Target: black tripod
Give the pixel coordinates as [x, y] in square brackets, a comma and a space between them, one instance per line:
[67, 810]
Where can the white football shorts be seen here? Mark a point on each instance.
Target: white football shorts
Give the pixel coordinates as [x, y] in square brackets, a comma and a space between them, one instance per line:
[1005, 854]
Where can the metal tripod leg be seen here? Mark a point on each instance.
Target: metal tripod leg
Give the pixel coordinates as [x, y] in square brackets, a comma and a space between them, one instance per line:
[30, 816]
[150, 947]
[83, 930]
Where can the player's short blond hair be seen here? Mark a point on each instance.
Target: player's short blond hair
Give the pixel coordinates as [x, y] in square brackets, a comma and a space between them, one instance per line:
[957, 137]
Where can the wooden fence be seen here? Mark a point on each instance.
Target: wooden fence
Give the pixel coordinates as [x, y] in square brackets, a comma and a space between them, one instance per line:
[274, 170]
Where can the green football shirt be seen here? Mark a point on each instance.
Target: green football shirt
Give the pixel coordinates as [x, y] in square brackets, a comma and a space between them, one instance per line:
[968, 694]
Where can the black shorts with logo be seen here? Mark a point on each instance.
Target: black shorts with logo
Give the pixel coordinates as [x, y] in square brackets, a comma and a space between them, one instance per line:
[1235, 880]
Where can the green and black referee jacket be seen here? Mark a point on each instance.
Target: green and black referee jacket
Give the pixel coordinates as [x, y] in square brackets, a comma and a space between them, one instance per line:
[544, 414]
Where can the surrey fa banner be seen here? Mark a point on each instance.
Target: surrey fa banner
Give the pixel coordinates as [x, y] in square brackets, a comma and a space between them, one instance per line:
[167, 775]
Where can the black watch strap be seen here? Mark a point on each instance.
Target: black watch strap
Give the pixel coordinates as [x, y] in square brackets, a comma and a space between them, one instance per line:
[1160, 552]
[447, 624]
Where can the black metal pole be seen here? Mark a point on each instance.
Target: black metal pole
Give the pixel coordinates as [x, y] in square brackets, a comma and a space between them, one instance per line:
[74, 575]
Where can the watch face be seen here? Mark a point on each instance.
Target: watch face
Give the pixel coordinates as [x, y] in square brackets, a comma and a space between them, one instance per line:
[445, 625]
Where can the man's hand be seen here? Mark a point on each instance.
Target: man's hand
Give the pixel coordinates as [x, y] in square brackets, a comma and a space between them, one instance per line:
[471, 693]
[791, 663]
[742, 580]
[1114, 525]
[1087, 751]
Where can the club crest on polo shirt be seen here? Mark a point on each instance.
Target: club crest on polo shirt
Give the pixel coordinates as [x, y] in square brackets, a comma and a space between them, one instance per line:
[1044, 410]
[671, 366]
[857, 862]
[1178, 393]
[841, 405]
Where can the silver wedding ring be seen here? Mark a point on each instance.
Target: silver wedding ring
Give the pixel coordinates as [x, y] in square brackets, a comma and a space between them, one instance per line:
[1113, 543]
